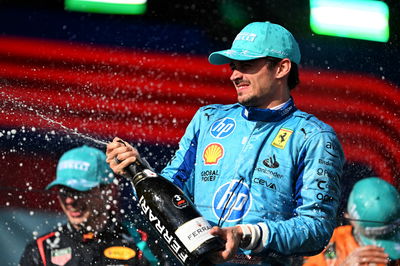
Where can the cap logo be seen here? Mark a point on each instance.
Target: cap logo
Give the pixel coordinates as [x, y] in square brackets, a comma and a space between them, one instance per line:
[278, 52]
[246, 36]
[74, 164]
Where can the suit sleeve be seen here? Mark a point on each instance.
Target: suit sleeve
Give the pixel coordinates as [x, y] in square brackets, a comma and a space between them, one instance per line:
[317, 195]
[31, 255]
[180, 168]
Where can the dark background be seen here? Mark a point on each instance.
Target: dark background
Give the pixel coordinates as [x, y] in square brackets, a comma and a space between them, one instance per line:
[200, 28]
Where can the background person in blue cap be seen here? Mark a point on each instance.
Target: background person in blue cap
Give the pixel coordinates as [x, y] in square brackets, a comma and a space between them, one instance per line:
[265, 173]
[373, 236]
[93, 235]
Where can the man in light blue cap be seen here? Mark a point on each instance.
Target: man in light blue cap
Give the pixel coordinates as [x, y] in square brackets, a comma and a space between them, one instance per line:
[93, 234]
[263, 172]
[374, 212]
[82, 172]
[373, 236]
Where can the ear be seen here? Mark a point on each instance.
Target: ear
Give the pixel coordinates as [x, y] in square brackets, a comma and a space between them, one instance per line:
[283, 68]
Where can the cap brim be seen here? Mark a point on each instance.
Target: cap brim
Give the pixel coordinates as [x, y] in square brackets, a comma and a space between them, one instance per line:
[226, 56]
[74, 184]
[390, 244]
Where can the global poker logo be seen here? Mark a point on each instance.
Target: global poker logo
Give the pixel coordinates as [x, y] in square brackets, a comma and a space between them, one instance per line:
[232, 201]
[222, 128]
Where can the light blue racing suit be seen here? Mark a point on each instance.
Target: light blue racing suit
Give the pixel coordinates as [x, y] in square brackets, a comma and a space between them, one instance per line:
[279, 169]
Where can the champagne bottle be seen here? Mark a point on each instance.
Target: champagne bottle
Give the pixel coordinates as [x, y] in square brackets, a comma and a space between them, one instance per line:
[173, 216]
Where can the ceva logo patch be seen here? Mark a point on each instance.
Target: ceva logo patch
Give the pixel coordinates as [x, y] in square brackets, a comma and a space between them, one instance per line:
[232, 201]
[222, 128]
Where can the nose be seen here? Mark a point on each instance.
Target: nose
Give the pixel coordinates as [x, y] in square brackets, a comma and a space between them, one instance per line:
[70, 200]
[236, 74]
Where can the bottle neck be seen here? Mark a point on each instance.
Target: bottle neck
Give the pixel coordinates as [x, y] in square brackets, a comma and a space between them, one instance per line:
[138, 171]
[139, 177]
[135, 168]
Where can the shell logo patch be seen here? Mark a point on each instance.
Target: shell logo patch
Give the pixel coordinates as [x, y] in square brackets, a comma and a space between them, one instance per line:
[119, 253]
[212, 153]
[282, 138]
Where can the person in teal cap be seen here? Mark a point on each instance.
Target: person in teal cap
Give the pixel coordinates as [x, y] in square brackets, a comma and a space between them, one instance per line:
[93, 234]
[264, 173]
[373, 236]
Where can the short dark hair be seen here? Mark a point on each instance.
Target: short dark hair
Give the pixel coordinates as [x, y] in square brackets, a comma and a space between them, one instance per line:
[293, 78]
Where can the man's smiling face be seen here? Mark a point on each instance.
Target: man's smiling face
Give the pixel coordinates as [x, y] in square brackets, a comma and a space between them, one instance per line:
[255, 82]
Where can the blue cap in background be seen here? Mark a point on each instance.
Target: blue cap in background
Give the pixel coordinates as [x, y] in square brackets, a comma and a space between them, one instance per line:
[375, 205]
[82, 169]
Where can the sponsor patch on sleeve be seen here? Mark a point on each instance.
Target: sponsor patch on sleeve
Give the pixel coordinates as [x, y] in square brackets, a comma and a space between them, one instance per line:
[282, 138]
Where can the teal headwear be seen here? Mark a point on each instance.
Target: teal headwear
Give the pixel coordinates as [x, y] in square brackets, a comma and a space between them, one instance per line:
[257, 40]
[376, 205]
[82, 169]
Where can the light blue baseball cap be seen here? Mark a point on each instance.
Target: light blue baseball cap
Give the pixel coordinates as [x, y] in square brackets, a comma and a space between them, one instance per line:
[375, 206]
[258, 40]
[82, 169]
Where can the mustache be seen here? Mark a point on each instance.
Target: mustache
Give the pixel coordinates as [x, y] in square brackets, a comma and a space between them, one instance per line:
[240, 81]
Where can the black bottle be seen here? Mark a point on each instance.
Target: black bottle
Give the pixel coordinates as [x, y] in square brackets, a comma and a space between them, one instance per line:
[173, 216]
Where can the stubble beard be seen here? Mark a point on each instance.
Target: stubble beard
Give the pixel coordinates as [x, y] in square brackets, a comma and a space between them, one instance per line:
[248, 101]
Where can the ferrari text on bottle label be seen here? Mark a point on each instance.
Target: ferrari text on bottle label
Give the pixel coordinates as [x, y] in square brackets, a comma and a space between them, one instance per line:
[194, 233]
[168, 237]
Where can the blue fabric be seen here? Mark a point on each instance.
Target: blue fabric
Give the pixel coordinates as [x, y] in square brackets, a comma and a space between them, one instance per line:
[299, 182]
[290, 179]
[187, 165]
[268, 115]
